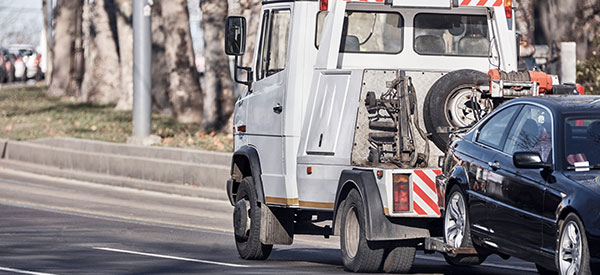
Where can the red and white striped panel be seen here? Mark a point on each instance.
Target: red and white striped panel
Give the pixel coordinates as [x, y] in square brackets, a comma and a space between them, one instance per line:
[425, 196]
[482, 3]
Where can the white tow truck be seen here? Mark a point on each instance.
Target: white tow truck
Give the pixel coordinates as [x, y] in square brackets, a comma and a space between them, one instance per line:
[348, 105]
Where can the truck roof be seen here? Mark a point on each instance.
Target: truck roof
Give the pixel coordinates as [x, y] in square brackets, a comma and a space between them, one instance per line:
[279, 1]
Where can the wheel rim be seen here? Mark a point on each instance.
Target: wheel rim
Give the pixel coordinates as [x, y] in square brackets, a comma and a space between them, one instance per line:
[459, 109]
[242, 222]
[570, 249]
[352, 233]
[455, 220]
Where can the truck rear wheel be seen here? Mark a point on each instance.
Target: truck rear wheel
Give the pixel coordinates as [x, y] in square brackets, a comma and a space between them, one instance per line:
[246, 223]
[449, 104]
[358, 254]
[399, 259]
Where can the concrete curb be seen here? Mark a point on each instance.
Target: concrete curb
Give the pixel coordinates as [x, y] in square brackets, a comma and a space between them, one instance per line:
[168, 170]
[207, 193]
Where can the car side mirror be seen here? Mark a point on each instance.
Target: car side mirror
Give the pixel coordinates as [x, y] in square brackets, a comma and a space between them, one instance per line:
[530, 160]
[235, 36]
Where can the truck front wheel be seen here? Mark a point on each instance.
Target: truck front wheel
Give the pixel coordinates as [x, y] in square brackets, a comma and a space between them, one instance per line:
[246, 223]
[358, 254]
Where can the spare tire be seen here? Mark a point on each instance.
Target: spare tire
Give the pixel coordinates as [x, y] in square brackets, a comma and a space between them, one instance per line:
[448, 104]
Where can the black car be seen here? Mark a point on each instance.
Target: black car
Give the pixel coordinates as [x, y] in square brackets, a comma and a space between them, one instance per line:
[525, 182]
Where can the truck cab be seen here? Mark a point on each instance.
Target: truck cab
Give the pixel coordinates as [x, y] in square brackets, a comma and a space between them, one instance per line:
[348, 108]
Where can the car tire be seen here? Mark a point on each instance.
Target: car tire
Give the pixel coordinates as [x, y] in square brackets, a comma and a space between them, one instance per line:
[457, 230]
[443, 100]
[544, 271]
[399, 259]
[572, 243]
[246, 223]
[358, 254]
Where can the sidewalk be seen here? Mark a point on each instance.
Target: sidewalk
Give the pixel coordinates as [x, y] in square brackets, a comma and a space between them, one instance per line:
[185, 172]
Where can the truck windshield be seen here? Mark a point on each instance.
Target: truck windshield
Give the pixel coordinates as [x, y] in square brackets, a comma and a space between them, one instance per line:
[582, 141]
[450, 34]
[368, 32]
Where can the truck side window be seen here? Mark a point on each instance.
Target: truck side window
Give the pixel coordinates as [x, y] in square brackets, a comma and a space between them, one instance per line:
[273, 43]
[451, 34]
[368, 32]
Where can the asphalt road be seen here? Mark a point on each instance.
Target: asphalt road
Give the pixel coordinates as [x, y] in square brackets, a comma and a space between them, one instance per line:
[58, 226]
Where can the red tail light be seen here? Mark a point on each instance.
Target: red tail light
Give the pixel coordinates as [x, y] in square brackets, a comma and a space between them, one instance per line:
[324, 5]
[401, 193]
[580, 89]
[508, 8]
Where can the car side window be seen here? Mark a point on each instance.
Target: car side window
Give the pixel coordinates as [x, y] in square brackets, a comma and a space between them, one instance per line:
[531, 132]
[274, 43]
[492, 132]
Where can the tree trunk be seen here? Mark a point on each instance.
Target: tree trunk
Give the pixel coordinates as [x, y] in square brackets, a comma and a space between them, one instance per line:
[101, 82]
[525, 21]
[49, 49]
[65, 33]
[160, 72]
[125, 31]
[184, 89]
[577, 20]
[219, 97]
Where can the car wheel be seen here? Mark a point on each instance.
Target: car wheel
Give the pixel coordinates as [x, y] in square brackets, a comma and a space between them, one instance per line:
[457, 231]
[246, 223]
[573, 255]
[544, 271]
[358, 254]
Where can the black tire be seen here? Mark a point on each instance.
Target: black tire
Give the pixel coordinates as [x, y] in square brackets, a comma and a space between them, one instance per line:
[435, 110]
[361, 255]
[247, 239]
[544, 271]
[584, 267]
[399, 259]
[461, 260]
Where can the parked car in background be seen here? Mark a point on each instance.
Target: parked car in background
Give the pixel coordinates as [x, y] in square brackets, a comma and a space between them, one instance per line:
[7, 68]
[524, 182]
[30, 59]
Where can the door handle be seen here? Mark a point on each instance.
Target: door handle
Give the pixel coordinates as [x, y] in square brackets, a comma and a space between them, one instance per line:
[278, 108]
[494, 165]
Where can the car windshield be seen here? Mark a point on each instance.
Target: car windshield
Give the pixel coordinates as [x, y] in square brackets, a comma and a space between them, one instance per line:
[582, 142]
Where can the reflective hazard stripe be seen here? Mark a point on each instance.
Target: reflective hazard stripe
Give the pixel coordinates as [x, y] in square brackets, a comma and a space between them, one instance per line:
[482, 3]
[424, 193]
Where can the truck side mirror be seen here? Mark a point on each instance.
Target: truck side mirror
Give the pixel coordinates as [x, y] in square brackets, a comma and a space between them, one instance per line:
[235, 36]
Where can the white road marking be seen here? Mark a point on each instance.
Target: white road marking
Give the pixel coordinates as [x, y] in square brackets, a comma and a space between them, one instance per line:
[168, 257]
[14, 270]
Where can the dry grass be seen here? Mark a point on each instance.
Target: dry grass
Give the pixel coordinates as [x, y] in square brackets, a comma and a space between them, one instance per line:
[27, 113]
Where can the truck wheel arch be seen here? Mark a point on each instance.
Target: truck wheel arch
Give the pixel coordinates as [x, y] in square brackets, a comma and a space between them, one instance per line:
[245, 162]
[378, 226]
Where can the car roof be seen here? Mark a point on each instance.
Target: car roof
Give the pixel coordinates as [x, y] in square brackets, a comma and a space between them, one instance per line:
[566, 104]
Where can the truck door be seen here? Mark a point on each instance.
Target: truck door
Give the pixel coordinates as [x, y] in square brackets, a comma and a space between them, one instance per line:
[265, 101]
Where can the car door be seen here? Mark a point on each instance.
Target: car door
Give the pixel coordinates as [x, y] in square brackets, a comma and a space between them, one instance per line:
[265, 110]
[490, 137]
[516, 213]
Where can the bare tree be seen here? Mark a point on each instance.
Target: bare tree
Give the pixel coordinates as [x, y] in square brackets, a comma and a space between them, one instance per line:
[65, 34]
[101, 82]
[185, 93]
[219, 98]
[125, 31]
[49, 48]
[570, 20]
[525, 20]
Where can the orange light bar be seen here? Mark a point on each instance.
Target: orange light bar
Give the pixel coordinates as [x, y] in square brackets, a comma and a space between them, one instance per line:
[508, 8]
[324, 5]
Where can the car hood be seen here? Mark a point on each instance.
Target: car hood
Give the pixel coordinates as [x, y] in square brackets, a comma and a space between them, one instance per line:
[590, 180]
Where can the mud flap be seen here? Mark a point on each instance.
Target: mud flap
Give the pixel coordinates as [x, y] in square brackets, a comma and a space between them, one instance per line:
[276, 225]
